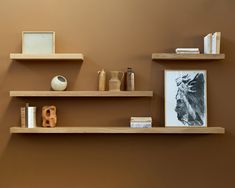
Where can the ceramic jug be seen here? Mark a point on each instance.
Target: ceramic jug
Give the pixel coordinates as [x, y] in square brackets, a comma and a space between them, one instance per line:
[115, 82]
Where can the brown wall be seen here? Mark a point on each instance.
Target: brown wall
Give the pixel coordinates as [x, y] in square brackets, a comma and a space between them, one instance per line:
[116, 34]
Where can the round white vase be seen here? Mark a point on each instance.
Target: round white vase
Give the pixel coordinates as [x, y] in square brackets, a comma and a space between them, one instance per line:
[59, 83]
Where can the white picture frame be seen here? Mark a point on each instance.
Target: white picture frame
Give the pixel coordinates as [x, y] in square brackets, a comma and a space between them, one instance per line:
[38, 42]
[185, 98]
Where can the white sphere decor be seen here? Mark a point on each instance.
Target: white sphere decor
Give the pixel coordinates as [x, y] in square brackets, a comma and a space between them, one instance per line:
[59, 83]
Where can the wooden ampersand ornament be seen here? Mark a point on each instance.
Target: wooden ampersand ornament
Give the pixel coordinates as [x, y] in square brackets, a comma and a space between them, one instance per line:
[49, 117]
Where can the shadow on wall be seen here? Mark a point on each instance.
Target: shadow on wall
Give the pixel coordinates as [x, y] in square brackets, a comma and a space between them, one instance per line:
[37, 75]
[87, 111]
[8, 114]
[116, 159]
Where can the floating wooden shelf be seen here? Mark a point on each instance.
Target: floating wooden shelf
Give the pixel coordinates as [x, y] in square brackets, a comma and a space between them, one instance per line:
[81, 94]
[173, 56]
[121, 130]
[56, 56]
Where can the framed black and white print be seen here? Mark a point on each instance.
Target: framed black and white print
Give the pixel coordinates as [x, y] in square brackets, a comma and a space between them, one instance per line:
[185, 98]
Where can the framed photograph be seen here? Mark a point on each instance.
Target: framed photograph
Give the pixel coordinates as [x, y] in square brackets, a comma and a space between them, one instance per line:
[185, 98]
[38, 42]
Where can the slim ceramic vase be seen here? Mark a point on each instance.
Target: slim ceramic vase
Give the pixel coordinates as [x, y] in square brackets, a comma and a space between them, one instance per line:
[102, 80]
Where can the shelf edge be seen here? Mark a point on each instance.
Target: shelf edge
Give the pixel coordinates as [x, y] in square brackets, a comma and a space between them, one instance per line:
[80, 94]
[56, 56]
[174, 56]
[119, 130]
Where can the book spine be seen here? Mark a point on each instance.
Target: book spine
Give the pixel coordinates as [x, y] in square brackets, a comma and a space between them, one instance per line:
[141, 119]
[22, 117]
[187, 49]
[218, 39]
[187, 52]
[140, 125]
[26, 114]
[208, 44]
[213, 44]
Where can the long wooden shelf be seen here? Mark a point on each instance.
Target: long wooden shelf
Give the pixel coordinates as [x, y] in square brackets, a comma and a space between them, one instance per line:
[174, 56]
[81, 94]
[121, 130]
[56, 56]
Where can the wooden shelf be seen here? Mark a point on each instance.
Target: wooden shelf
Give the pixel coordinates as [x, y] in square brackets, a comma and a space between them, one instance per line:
[56, 56]
[173, 56]
[120, 130]
[81, 94]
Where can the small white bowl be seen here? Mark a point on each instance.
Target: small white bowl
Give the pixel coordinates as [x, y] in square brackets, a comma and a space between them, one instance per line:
[59, 83]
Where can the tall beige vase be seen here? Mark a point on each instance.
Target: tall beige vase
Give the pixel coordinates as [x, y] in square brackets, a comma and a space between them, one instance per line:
[102, 80]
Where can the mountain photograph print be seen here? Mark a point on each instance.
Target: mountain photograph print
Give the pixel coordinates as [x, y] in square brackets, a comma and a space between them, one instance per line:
[185, 98]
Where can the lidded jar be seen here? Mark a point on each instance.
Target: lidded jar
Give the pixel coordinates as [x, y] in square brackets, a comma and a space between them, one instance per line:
[130, 79]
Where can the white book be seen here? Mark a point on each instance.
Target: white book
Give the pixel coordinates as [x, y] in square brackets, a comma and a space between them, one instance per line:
[31, 114]
[141, 122]
[140, 125]
[216, 37]
[214, 43]
[208, 44]
[141, 119]
[187, 50]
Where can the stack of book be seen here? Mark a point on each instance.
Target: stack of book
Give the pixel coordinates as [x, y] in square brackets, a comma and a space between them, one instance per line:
[212, 43]
[141, 122]
[187, 51]
[28, 116]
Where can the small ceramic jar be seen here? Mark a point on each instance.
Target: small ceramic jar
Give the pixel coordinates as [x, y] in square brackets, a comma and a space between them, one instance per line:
[59, 83]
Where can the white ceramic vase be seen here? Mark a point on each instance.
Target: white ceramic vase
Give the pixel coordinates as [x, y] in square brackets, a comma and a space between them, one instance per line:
[59, 83]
